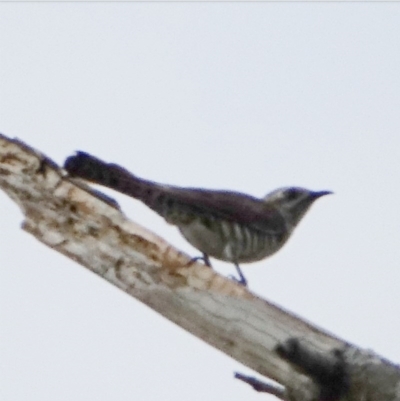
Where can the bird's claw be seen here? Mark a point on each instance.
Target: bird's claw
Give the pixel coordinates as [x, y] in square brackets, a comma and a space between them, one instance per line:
[204, 258]
[240, 281]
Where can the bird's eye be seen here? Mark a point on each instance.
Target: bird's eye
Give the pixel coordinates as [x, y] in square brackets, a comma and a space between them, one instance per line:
[292, 194]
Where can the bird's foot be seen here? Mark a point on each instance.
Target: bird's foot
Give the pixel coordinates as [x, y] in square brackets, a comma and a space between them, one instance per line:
[242, 281]
[204, 258]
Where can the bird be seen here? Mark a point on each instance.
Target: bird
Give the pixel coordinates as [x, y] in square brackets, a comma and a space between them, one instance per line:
[226, 225]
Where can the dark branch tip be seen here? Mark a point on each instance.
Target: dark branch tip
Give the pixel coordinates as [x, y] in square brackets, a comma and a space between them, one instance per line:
[328, 370]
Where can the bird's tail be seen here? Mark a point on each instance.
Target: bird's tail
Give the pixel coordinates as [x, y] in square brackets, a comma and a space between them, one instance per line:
[90, 168]
[160, 198]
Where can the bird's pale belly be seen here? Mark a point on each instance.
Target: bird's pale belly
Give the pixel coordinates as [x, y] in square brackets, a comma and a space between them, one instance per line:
[229, 241]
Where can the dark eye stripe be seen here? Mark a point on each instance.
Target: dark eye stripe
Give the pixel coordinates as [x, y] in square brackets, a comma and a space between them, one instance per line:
[292, 194]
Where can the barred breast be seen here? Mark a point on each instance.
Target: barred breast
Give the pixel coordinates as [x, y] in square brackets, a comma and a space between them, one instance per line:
[229, 241]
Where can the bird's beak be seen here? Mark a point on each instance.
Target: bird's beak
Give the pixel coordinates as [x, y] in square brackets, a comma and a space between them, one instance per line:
[318, 194]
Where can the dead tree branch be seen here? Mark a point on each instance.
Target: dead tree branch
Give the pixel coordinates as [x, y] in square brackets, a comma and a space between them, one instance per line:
[88, 227]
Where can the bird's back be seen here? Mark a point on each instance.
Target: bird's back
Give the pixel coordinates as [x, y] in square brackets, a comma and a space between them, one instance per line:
[180, 205]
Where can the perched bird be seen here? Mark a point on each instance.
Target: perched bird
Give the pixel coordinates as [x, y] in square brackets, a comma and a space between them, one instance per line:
[225, 225]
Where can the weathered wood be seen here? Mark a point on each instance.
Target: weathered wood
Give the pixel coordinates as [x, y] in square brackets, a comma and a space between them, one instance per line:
[86, 226]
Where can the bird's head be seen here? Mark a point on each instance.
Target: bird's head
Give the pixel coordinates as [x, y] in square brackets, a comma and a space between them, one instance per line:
[293, 202]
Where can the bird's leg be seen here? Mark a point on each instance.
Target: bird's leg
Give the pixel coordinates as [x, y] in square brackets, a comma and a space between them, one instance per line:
[204, 258]
[242, 280]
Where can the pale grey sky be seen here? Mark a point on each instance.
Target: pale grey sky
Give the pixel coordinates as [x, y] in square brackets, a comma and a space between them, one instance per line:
[246, 97]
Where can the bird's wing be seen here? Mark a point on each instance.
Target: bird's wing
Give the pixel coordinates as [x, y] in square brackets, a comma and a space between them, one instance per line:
[227, 205]
[232, 206]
